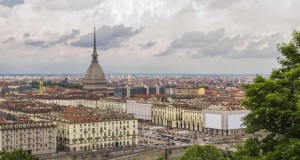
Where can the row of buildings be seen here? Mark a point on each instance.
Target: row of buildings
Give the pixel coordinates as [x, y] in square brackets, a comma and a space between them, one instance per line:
[181, 112]
[50, 127]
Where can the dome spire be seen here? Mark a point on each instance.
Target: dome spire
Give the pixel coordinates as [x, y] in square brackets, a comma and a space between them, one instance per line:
[95, 55]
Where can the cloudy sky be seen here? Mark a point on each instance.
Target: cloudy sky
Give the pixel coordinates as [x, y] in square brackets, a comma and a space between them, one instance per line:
[145, 36]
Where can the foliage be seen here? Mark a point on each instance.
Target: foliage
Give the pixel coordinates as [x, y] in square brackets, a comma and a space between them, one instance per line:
[160, 158]
[35, 84]
[206, 152]
[16, 154]
[275, 109]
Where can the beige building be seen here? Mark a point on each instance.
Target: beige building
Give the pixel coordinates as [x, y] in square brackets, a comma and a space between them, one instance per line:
[118, 105]
[93, 129]
[182, 116]
[186, 91]
[35, 137]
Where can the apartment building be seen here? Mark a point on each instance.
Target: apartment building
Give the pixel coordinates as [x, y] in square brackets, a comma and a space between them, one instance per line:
[182, 116]
[35, 137]
[86, 129]
[115, 104]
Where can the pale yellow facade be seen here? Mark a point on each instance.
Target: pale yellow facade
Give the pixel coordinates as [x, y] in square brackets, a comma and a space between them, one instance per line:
[35, 137]
[201, 91]
[186, 91]
[81, 136]
[181, 117]
[115, 105]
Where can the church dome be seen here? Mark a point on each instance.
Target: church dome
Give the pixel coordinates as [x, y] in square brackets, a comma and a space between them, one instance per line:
[95, 72]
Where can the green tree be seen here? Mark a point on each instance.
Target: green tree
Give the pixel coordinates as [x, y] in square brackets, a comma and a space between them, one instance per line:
[160, 158]
[206, 152]
[16, 154]
[35, 84]
[275, 108]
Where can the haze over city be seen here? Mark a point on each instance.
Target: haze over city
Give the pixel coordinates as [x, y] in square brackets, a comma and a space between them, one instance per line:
[169, 36]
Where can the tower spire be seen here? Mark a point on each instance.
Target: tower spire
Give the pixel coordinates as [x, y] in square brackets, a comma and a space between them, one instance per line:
[94, 39]
[95, 55]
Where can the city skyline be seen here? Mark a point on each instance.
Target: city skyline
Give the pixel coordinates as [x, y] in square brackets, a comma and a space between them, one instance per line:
[154, 37]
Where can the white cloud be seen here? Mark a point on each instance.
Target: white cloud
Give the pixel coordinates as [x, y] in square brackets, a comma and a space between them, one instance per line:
[249, 29]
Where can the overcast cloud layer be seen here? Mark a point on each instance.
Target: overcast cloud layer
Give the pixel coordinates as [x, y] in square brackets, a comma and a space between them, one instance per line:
[149, 36]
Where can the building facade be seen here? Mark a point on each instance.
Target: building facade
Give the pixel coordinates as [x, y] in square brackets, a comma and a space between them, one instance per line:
[140, 109]
[218, 120]
[84, 129]
[177, 116]
[106, 104]
[35, 137]
[129, 91]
